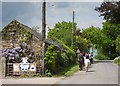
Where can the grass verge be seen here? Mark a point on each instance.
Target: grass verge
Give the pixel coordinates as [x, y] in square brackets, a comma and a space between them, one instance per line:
[69, 71]
[118, 63]
[117, 60]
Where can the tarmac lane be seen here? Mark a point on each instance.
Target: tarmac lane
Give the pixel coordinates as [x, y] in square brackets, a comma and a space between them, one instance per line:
[99, 73]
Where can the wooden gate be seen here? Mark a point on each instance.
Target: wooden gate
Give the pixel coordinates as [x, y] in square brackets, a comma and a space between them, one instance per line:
[9, 69]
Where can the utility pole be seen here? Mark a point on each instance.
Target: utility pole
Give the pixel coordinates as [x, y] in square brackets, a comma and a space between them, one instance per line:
[43, 33]
[43, 20]
[73, 22]
[73, 27]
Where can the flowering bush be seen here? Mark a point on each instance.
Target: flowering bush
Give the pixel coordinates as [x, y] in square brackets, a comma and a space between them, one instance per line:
[15, 54]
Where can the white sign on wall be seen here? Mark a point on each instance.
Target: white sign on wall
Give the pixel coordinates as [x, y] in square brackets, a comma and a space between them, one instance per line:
[32, 67]
[24, 66]
[16, 67]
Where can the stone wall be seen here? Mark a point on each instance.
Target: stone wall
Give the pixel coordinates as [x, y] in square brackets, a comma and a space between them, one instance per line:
[2, 60]
[0, 56]
[2, 67]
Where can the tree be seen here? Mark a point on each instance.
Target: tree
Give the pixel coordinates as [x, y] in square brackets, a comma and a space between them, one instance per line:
[110, 11]
[97, 38]
[81, 43]
[111, 31]
[104, 39]
[93, 35]
[63, 32]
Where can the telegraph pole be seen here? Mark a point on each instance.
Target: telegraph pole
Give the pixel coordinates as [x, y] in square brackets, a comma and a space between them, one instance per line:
[43, 33]
[73, 22]
[73, 27]
[43, 20]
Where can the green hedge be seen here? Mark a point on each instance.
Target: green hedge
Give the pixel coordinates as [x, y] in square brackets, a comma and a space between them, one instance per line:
[101, 57]
[56, 59]
[50, 59]
[68, 50]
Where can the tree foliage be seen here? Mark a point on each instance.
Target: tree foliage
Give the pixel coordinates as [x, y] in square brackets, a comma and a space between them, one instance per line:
[109, 43]
[111, 32]
[81, 43]
[56, 59]
[118, 44]
[104, 39]
[50, 58]
[93, 35]
[63, 32]
[110, 11]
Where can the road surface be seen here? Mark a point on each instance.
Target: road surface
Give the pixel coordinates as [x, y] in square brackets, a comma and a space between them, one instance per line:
[99, 73]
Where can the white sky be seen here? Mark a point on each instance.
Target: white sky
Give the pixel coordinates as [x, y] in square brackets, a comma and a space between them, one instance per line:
[53, 0]
[29, 13]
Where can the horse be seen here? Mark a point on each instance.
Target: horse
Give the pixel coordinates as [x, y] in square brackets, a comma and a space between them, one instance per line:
[87, 63]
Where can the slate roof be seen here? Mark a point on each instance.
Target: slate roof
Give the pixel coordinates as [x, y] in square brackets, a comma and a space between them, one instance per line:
[36, 34]
[52, 41]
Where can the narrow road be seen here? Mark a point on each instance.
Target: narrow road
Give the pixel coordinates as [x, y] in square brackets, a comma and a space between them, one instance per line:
[99, 73]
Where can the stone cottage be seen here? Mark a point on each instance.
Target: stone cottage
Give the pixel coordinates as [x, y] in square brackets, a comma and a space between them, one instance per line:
[17, 38]
[15, 35]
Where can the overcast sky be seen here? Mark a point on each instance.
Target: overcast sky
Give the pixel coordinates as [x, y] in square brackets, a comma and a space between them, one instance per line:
[29, 13]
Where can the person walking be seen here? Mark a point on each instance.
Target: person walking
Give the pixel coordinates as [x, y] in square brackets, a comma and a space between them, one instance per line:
[80, 60]
[91, 58]
[84, 57]
[78, 52]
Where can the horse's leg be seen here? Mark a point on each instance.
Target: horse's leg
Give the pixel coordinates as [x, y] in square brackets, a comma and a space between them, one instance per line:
[86, 66]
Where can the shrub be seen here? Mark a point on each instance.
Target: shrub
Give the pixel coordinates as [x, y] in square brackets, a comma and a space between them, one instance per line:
[50, 58]
[47, 73]
[63, 60]
[56, 59]
[69, 52]
[117, 60]
[101, 57]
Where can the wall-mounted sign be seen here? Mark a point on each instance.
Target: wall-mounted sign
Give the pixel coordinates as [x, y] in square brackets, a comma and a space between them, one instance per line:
[16, 67]
[32, 67]
[24, 67]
